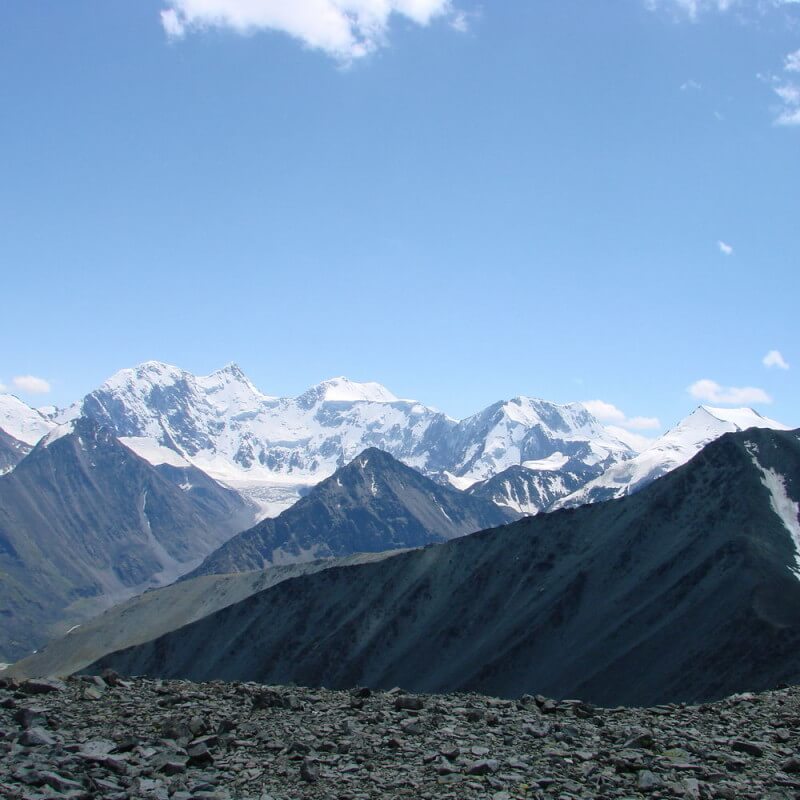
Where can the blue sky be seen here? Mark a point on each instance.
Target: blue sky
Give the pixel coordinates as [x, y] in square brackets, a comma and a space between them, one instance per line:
[465, 202]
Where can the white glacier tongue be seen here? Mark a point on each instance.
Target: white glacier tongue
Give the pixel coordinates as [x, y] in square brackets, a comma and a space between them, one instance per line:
[21, 421]
[272, 448]
[670, 451]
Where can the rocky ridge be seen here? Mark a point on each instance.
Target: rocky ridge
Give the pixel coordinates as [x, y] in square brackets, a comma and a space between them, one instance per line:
[116, 739]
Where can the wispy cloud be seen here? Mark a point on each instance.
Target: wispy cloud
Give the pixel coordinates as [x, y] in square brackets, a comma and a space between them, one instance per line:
[30, 384]
[691, 85]
[711, 392]
[775, 359]
[725, 248]
[345, 29]
[609, 413]
[792, 62]
[784, 85]
[691, 8]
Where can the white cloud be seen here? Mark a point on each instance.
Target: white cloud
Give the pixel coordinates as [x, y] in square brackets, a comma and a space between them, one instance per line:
[725, 248]
[789, 117]
[609, 413]
[634, 440]
[460, 22]
[31, 384]
[692, 85]
[775, 359]
[172, 24]
[711, 392]
[345, 29]
[789, 93]
[789, 113]
[605, 412]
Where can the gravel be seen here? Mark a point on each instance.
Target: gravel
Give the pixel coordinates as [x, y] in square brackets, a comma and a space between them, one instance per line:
[175, 740]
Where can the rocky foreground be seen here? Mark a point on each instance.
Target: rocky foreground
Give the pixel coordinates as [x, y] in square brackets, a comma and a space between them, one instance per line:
[117, 739]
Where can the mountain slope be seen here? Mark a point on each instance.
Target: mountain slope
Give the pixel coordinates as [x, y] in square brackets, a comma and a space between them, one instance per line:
[685, 590]
[674, 448]
[273, 449]
[84, 522]
[12, 451]
[373, 504]
[22, 422]
[159, 611]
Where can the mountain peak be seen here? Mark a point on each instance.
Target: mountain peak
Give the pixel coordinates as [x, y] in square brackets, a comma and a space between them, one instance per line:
[148, 372]
[232, 369]
[742, 418]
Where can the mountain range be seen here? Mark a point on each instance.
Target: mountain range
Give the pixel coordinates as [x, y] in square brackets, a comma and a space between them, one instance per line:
[686, 590]
[526, 455]
[273, 449]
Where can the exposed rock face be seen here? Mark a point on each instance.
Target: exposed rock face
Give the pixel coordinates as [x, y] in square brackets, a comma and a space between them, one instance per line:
[116, 739]
[84, 523]
[687, 590]
[373, 504]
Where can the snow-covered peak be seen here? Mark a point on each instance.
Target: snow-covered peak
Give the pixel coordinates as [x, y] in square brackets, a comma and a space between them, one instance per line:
[21, 421]
[707, 423]
[343, 390]
[670, 451]
[148, 373]
[742, 418]
[230, 391]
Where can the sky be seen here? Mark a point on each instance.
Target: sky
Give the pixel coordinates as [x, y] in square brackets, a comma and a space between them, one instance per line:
[593, 201]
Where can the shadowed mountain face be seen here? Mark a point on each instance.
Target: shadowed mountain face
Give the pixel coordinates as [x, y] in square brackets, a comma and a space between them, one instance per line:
[373, 504]
[84, 523]
[159, 611]
[686, 590]
[12, 451]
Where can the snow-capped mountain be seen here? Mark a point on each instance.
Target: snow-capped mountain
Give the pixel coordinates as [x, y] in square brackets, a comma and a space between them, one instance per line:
[22, 422]
[672, 450]
[274, 448]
